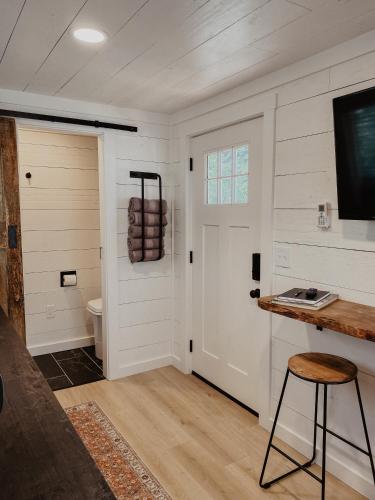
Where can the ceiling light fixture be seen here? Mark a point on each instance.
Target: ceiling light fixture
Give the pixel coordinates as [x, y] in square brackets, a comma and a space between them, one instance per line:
[89, 35]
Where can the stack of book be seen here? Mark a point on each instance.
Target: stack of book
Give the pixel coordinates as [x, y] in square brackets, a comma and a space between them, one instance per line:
[307, 299]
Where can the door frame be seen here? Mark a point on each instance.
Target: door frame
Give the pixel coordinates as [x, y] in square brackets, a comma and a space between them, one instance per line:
[246, 109]
[108, 235]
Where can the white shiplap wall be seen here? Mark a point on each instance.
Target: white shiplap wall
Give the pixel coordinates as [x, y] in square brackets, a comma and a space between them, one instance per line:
[341, 259]
[146, 307]
[60, 231]
[139, 329]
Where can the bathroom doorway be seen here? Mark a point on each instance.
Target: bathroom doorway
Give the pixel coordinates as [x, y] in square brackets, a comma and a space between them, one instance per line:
[62, 266]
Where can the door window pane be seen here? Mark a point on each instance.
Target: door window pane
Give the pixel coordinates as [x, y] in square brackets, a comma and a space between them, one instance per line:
[226, 163]
[226, 190]
[212, 165]
[227, 176]
[241, 189]
[212, 191]
[242, 159]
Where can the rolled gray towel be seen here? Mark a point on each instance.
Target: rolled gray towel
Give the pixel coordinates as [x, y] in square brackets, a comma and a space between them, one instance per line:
[136, 255]
[135, 219]
[150, 243]
[150, 231]
[150, 206]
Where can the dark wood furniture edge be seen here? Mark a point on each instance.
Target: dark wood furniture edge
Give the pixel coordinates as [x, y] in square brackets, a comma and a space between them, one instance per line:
[42, 455]
[349, 318]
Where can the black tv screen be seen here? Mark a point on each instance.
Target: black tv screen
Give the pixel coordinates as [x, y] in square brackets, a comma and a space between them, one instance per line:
[354, 124]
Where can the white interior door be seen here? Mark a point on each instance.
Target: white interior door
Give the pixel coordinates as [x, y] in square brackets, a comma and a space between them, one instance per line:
[226, 232]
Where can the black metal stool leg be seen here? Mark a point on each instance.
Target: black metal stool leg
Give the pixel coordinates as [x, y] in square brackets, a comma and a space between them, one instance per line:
[324, 427]
[299, 466]
[273, 432]
[315, 425]
[365, 428]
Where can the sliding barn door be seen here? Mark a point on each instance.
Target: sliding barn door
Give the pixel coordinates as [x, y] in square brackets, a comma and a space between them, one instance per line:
[11, 280]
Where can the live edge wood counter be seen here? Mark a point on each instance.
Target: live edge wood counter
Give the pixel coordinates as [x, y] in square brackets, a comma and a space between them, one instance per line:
[41, 456]
[350, 318]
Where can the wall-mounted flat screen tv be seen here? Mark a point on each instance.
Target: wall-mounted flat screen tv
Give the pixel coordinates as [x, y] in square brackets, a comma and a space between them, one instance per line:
[354, 124]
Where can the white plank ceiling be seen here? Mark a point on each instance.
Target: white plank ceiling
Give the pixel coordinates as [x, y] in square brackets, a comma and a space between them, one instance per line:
[163, 55]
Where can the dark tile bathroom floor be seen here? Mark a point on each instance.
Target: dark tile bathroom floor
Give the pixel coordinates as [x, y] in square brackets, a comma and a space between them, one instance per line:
[70, 368]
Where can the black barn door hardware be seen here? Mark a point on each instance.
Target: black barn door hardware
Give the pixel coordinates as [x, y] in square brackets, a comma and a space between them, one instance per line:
[150, 175]
[65, 119]
[12, 236]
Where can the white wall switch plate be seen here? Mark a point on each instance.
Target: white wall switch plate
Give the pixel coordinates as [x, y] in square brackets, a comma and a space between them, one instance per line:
[282, 257]
[50, 310]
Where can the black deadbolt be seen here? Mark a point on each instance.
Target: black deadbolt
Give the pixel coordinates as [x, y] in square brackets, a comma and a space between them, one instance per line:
[256, 267]
[28, 175]
[255, 294]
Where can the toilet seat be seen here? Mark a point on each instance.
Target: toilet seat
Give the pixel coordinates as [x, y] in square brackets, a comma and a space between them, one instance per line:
[95, 306]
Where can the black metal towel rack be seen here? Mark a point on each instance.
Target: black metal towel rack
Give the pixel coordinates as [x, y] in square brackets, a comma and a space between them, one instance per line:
[150, 175]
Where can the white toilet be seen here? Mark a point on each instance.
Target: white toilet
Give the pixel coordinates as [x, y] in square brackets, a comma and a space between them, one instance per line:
[95, 308]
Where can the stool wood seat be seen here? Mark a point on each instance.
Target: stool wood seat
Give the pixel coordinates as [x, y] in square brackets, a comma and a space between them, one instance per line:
[322, 368]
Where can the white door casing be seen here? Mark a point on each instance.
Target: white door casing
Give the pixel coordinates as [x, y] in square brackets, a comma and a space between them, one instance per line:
[225, 330]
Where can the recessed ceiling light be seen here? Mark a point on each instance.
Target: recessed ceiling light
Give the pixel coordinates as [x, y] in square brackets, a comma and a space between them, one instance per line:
[89, 35]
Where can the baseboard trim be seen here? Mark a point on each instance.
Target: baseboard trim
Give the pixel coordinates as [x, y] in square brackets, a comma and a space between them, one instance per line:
[177, 363]
[143, 366]
[337, 468]
[64, 345]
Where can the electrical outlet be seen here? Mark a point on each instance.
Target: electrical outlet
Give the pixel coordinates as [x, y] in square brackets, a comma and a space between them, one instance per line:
[282, 257]
[50, 310]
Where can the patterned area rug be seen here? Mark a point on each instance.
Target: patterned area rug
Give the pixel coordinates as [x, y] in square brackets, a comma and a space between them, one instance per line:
[124, 471]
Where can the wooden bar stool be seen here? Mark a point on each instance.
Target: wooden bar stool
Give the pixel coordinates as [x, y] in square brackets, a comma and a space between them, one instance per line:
[327, 370]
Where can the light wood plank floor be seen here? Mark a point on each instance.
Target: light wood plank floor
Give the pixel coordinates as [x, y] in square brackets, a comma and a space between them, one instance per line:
[198, 443]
